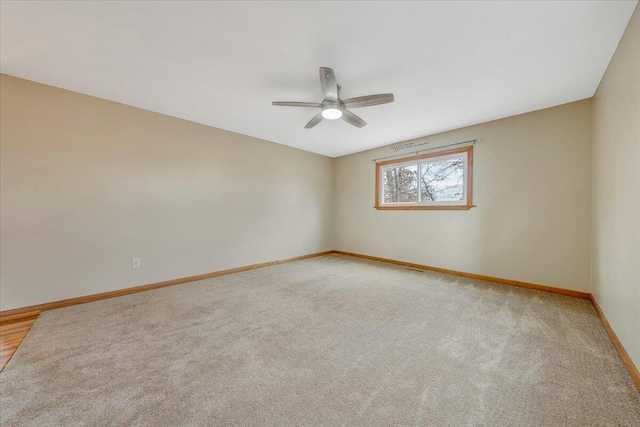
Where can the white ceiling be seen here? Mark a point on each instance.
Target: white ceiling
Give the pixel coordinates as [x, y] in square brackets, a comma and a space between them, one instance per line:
[449, 64]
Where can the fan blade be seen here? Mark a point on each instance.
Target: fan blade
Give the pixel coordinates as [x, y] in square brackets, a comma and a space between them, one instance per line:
[352, 119]
[296, 104]
[329, 85]
[317, 119]
[368, 101]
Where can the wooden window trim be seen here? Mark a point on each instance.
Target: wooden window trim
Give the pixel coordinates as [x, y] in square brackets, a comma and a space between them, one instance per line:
[469, 183]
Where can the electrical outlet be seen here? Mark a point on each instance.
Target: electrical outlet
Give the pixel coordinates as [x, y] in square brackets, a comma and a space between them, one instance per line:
[135, 262]
[414, 247]
[603, 281]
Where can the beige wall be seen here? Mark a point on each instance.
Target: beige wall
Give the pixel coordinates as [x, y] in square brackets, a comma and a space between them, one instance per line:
[616, 192]
[87, 184]
[532, 188]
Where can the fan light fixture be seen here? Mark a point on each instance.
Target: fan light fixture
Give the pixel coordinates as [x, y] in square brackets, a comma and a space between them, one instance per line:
[335, 108]
[331, 113]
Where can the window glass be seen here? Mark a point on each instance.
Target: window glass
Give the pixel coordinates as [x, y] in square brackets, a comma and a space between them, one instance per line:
[442, 181]
[401, 184]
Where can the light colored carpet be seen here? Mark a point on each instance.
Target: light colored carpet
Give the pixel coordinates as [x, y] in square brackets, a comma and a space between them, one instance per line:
[325, 341]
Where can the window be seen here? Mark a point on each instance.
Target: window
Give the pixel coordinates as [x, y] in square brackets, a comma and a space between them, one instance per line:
[440, 180]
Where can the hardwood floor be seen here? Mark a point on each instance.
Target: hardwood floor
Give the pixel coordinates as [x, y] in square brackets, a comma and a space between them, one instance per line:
[11, 335]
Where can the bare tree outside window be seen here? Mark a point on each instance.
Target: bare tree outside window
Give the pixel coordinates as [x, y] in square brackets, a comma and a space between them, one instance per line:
[401, 184]
[442, 181]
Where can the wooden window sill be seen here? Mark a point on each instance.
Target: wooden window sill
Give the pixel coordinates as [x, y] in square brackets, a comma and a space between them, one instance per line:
[425, 208]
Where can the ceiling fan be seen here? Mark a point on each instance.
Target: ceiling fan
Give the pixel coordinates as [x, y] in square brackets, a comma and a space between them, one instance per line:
[333, 107]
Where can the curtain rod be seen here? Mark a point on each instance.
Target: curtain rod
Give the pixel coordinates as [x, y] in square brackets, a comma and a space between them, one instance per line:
[426, 149]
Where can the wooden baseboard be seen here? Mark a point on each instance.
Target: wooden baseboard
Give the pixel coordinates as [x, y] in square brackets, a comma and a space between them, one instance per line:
[561, 291]
[23, 313]
[626, 359]
[19, 314]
